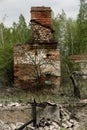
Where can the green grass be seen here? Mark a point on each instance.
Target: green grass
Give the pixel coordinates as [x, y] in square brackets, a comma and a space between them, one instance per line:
[64, 95]
[62, 129]
[16, 94]
[29, 96]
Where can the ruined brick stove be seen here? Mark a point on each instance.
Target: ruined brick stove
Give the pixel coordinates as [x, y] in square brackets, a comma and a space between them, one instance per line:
[38, 62]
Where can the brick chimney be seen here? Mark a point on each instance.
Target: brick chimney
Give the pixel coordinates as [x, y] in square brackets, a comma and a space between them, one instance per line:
[41, 24]
[37, 63]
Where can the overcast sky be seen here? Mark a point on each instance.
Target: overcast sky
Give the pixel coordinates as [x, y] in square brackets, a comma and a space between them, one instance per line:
[11, 9]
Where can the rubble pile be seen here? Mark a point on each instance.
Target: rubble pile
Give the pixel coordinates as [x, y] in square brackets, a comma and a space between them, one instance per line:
[48, 124]
[48, 118]
[43, 125]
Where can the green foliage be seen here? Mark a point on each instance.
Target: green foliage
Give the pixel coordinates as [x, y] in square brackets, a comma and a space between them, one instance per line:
[66, 34]
[62, 129]
[82, 28]
[60, 31]
[22, 30]
[18, 33]
[1, 34]
[72, 38]
[6, 64]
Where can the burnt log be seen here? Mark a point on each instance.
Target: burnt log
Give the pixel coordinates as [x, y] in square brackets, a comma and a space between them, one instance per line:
[75, 86]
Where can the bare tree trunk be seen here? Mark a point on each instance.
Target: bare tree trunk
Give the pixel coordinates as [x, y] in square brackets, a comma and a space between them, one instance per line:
[76, 88]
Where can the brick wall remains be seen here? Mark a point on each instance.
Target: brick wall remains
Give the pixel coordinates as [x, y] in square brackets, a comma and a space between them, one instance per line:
[28, 66]
[80, 61]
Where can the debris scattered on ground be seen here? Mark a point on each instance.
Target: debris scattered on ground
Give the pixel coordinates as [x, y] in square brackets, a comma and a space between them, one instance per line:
[61, 118]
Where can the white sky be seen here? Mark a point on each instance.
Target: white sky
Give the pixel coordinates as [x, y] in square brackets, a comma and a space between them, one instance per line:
[11, 9]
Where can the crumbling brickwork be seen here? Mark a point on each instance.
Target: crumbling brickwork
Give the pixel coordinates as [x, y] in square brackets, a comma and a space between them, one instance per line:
[43, 15]
[38, 63]
[80, 62]
[41, 33]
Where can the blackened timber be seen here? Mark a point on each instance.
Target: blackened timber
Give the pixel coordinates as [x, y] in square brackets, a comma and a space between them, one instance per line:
[23, 126]
[43, 104]
[34, 113]
[76, 88]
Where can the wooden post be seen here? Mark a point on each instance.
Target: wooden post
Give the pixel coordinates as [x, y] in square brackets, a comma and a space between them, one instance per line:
[34, 115]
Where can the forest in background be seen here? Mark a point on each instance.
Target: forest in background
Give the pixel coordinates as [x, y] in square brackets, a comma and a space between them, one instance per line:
[70, 34]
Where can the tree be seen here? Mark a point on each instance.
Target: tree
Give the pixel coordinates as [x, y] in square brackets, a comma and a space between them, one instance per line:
[61, 34]
[71, 34]
[82, 28]
[6, 64]
[42, 67]
[18, 33]
[1, 34]
[22, 30]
